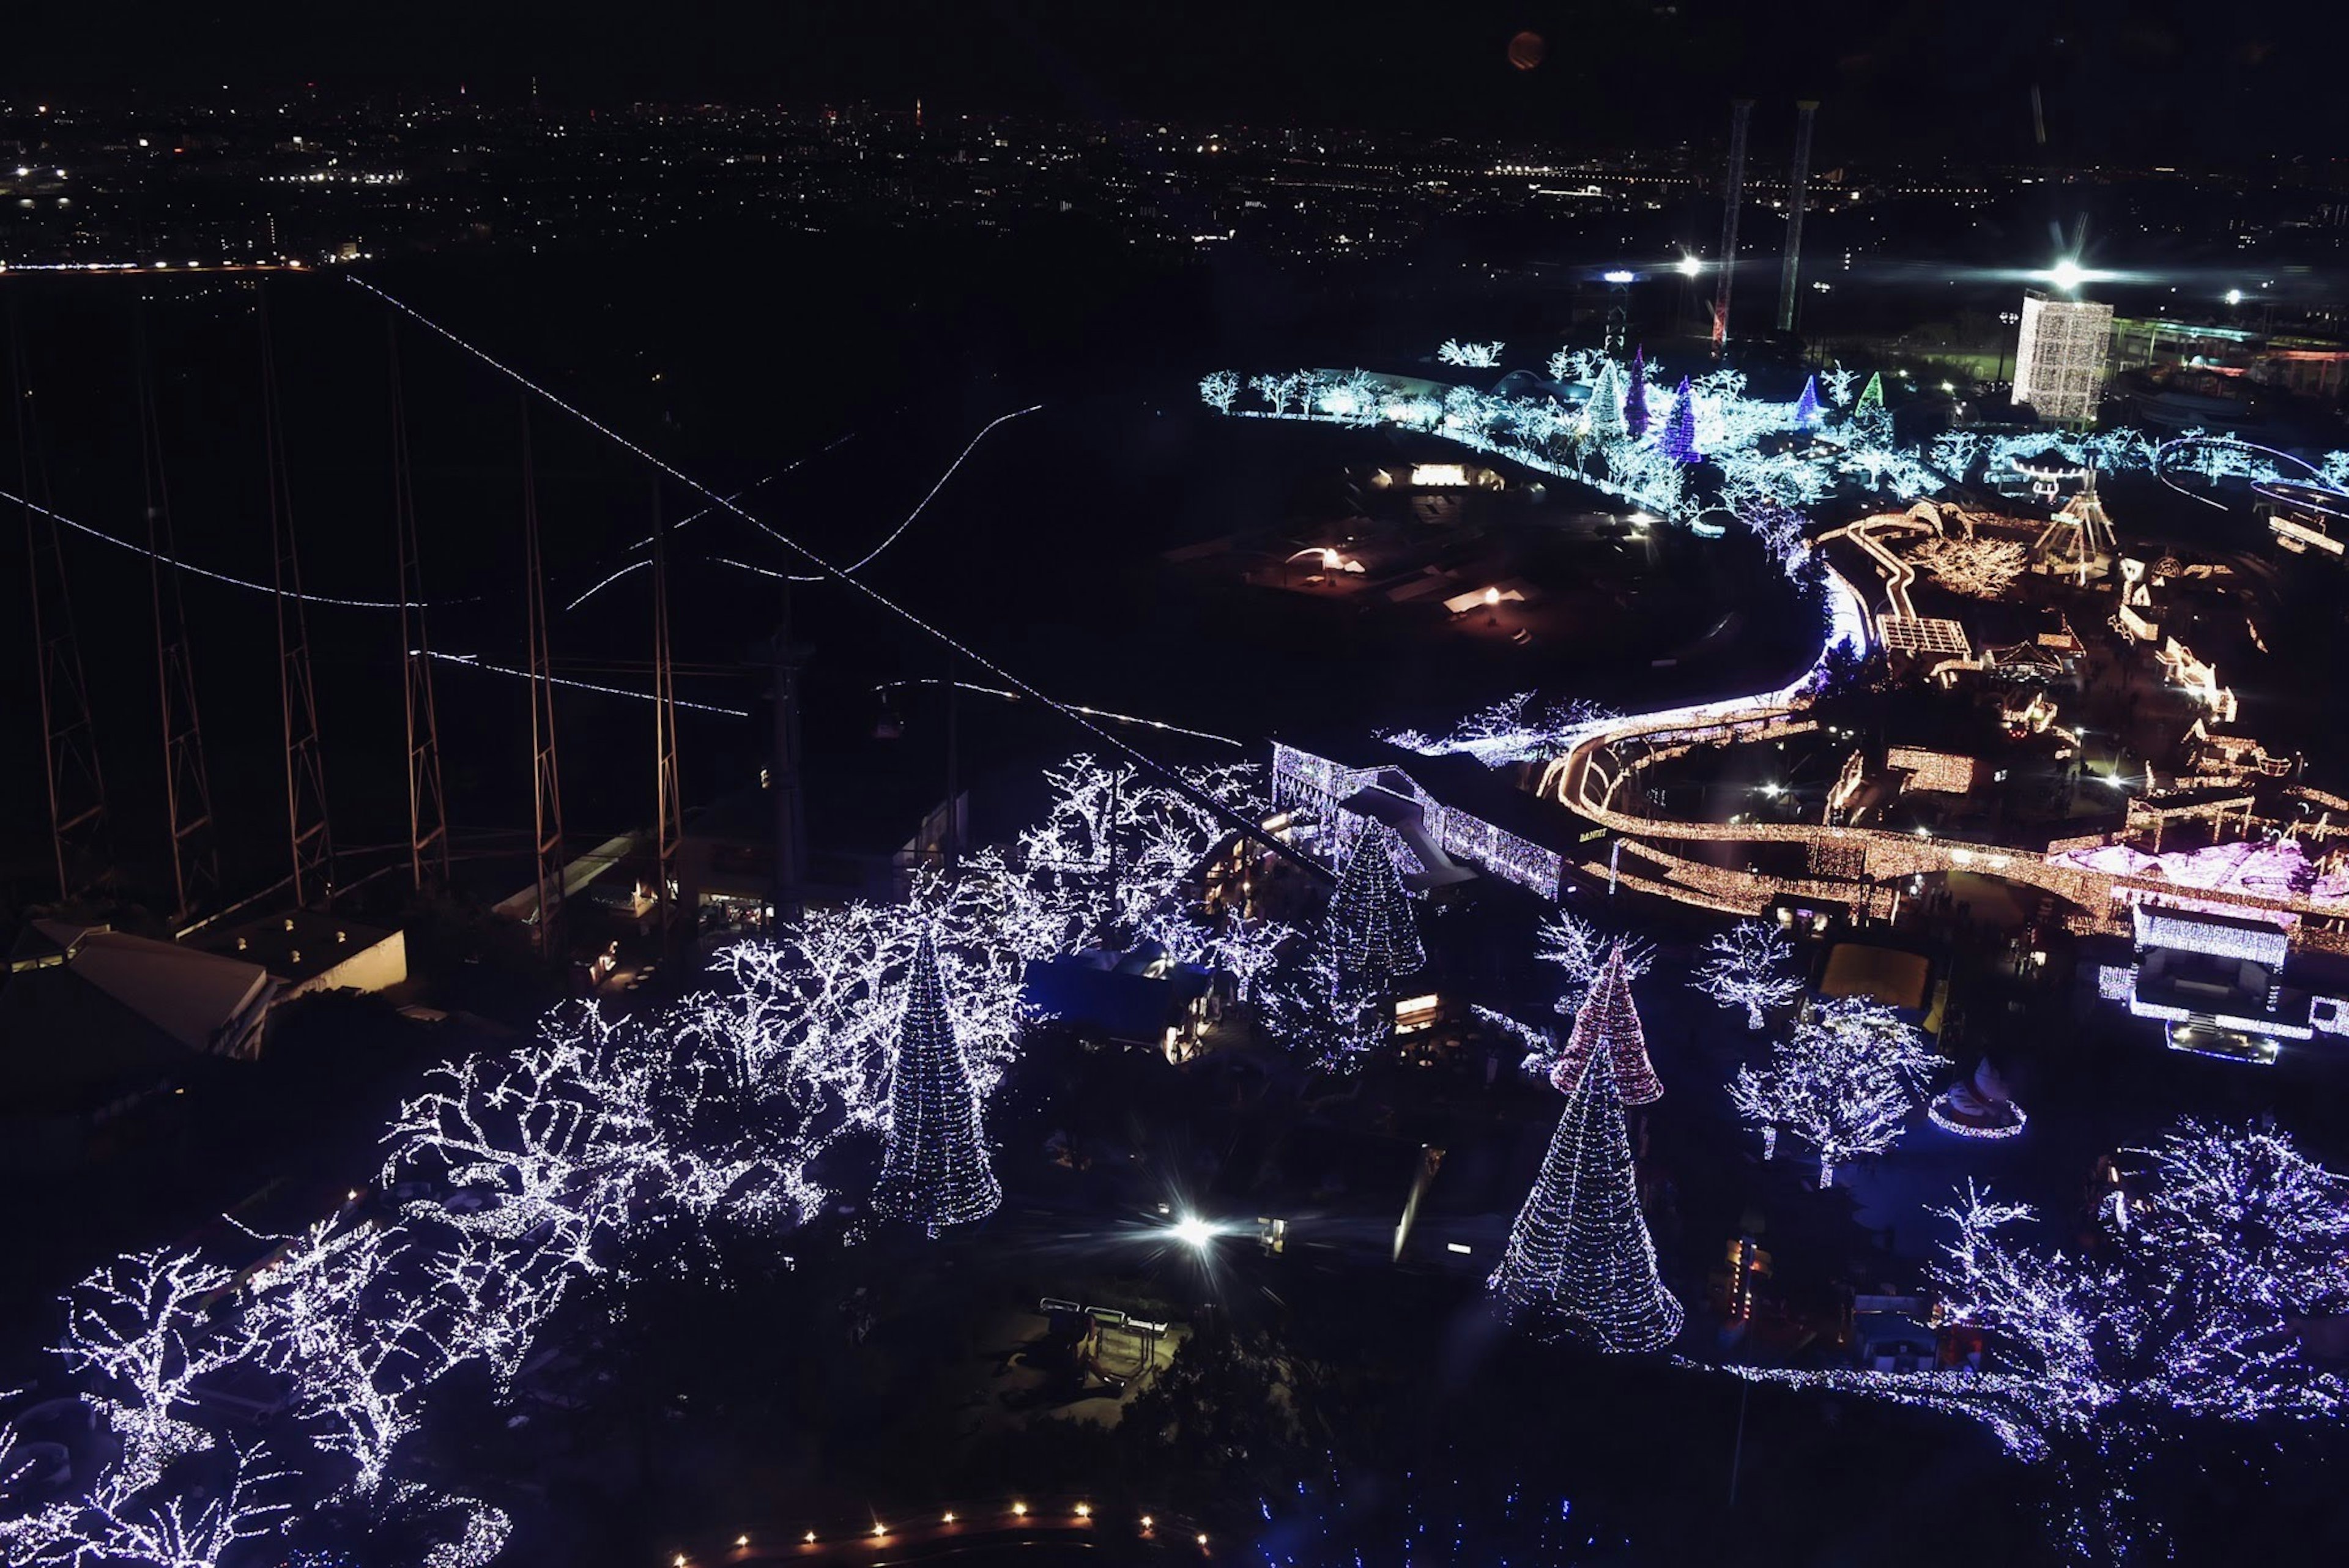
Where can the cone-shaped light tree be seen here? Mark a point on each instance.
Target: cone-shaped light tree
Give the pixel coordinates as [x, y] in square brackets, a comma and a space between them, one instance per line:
[1871, 422]
[1680, 426]
[934, 1170]
[1607, 404]
[1579, 1261]
[1806, 407]
[1635, 396]
[1370, 924]
[1608, 1025]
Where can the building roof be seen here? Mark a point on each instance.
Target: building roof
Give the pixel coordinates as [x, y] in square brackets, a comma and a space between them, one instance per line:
[196, 998]
[297, 946]
[89, 1014]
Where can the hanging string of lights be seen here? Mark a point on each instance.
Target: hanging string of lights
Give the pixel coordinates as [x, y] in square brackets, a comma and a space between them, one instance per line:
[1231, 820]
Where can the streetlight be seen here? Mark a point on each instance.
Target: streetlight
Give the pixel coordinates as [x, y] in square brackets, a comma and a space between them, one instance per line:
[2234, 296]
[1194, 1232]
[2066, 273]
[1690, 266]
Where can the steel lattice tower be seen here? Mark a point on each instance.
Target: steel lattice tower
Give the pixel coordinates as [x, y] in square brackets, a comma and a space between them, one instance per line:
[77, 785]
[427, 806]
[187, 786]
[309, 834]
[1733, 198]
[1797, 193]
[668, 821]
[547, 809]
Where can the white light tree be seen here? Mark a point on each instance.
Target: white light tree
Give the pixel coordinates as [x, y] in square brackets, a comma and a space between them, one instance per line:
[141, 1330]
[1580, 950]
[1217, 388]
[1839, 381]
[1845, 1081]
[1511, 729]
[182, 1530]
[1745, 966]
[1277, 392]
[1469, 355]
[2186, 1322]
[1247, 950]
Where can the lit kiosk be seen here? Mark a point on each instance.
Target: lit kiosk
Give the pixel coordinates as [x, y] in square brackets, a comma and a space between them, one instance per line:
[2216, 982]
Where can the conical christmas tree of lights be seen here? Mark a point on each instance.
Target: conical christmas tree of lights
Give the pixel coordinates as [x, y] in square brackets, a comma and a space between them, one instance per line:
[1806, 407]
[1607, 404]
[1370, 923]
[1608, 1025]
[1635, 395]
[934, 1170]
[1871, 422]
[1680, 426]
[1579, 1261]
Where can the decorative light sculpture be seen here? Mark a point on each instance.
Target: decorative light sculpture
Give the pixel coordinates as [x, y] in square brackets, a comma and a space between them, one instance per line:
[935, 1170]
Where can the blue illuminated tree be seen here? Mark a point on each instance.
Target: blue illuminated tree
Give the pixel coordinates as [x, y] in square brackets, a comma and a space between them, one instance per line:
[1679, 427]
[1635, 396]
[934, 1170]
[1806, 407]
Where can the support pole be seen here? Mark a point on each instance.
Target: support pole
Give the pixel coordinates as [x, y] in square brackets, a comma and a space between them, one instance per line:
[546, 784]
[1797, 193]
[1733, 198]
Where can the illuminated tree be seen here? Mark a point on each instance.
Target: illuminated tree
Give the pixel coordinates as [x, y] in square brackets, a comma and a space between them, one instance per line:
[1871, 422]
[1278, 391]
[1579, 1261]
[936, 1170]
[1217, 388]
[142, 1329]
[1635, 396]
[1953, 452]
[1679, 427]
[1468, 356]
[1608, 1022]
[1746, 967]
[1606, 422]
[1839, 380]
[2185, 1319]
[1808, 413]
[1370, 924]
[1845, 1082]
[1578, 948]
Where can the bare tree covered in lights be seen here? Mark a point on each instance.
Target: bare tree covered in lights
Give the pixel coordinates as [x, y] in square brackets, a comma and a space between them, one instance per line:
[1745, 966]
[1845, 1081]
[1217, 388]
[2186, 1319]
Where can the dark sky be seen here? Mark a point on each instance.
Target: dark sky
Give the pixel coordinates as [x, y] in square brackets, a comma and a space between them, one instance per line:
[2158, 80]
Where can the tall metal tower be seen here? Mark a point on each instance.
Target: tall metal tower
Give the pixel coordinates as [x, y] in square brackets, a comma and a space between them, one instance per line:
[546, 783]
[790, 659]
[309, 836]
[668, 821]
[1733, 198]
[187, 786]
[69, 740]
[427, 806]
[1798, 191]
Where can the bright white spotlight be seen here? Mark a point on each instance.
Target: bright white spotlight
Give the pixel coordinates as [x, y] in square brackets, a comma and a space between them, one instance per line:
[1690, 266]
[1193, 1232]
[1618, 276]
[2066, 273]
[2234, 296]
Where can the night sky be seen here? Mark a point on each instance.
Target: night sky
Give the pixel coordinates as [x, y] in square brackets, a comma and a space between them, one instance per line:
[2160, 81]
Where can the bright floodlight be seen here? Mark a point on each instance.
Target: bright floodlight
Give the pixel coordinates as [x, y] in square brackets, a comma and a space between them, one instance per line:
[2234, 296]
[1193, 1232]
[2066, 273]
[1690, 266]
[1618, 276]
